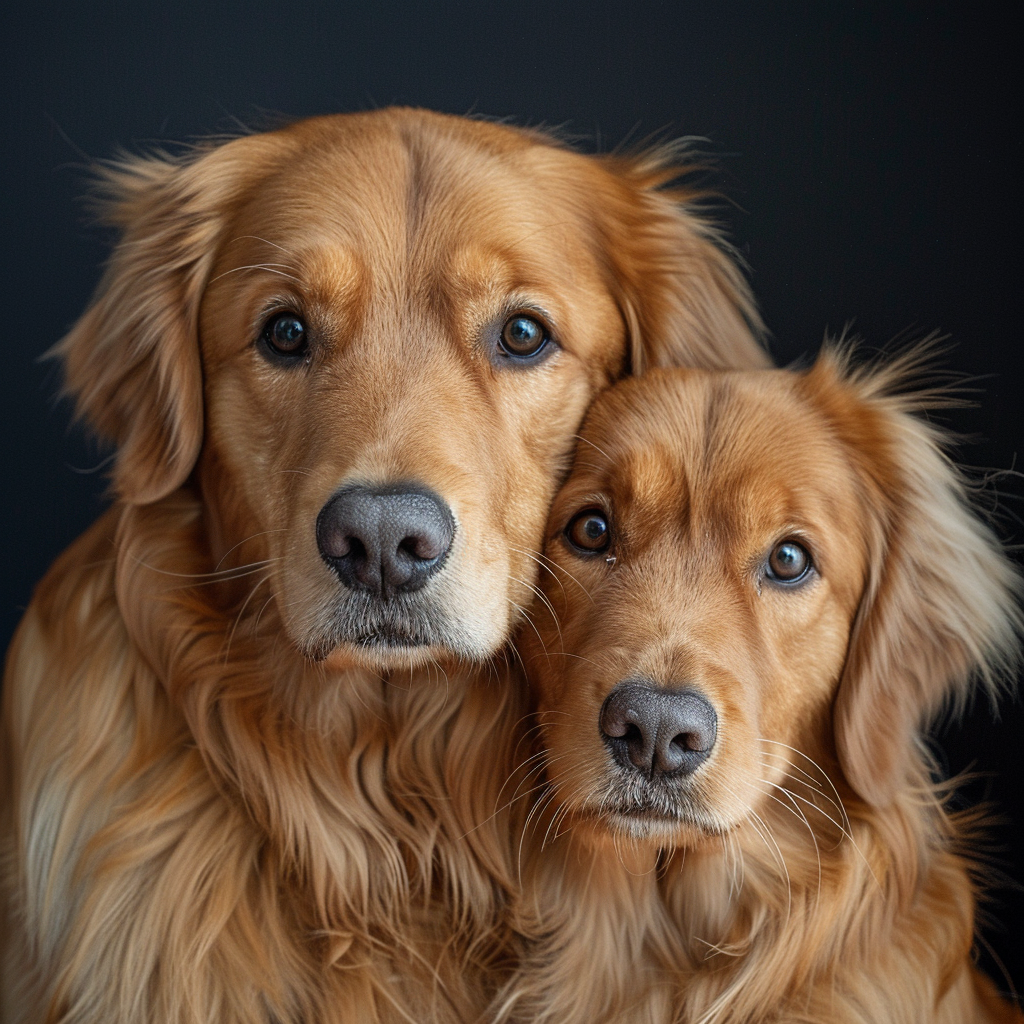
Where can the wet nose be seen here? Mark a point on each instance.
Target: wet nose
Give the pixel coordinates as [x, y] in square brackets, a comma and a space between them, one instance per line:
[658, 731]
[385, 540]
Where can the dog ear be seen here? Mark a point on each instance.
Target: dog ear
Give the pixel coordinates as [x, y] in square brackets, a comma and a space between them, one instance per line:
[132, 360]
[940, 609]
[681, 291]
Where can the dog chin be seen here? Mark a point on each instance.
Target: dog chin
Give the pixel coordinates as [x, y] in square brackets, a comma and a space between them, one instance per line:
[381, 654]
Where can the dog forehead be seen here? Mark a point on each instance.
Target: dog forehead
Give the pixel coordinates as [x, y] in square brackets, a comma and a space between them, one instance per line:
[738, 450]
[411, 183]
[404, 209]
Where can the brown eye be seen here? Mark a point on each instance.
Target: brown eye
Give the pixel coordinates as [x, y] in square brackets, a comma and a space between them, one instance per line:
[789, 562]
[285, 335]
[588, 531]
[523, 336]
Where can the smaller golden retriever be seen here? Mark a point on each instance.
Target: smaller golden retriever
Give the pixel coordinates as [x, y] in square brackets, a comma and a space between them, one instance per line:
[762, 586]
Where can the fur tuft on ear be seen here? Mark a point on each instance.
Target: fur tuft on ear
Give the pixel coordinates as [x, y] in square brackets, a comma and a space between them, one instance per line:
[940, 608]
[132, 360]
[682, 292]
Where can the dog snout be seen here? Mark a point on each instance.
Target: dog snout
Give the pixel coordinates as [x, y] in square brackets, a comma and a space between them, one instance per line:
[658, 731]
[385, 540]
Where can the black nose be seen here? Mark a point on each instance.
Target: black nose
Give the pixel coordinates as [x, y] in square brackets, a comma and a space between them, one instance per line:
[385, 540]
[659, 732]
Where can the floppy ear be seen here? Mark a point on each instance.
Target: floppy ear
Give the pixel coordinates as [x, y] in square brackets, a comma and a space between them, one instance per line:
[682, 293]
[132, 360]
[940, 607]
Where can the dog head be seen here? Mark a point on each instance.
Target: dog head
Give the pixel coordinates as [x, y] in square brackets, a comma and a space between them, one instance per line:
[750, 573]
[369, 340]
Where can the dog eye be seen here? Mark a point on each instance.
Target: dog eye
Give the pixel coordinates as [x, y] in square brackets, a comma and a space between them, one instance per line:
[789, 562]
[523, 336]
[285, 335]
[588, 531]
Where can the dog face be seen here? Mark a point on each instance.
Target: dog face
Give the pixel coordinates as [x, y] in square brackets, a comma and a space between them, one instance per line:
[747, 570]
[451, 335]
[372, 338]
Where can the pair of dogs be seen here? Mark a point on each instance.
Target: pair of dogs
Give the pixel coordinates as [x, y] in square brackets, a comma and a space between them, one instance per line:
[267, 752]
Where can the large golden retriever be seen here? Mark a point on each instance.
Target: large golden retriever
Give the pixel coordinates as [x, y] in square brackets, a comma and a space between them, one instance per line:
[257, 719]
[763, 584]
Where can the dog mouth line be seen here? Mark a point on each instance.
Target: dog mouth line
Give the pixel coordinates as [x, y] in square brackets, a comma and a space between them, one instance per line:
[633, 811]
[383, 639]
[387, 627]
[388, 639]
[645, 812]
[643, 822]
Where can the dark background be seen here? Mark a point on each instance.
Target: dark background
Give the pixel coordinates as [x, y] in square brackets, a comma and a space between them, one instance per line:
[872, 157]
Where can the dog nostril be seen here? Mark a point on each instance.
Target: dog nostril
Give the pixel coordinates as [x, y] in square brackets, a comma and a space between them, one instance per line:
[635, 739]
[688, 741]
[334, 544]
[424, 546]
[615, 726]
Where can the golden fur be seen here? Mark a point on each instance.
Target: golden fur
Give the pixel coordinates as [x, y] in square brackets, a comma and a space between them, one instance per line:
[808, 870]
[216, 807]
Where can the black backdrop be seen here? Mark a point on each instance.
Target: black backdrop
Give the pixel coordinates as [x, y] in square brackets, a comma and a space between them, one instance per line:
[872, 157]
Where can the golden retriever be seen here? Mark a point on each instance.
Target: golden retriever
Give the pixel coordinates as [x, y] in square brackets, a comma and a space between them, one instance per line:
[762, 586]
[258, 718]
